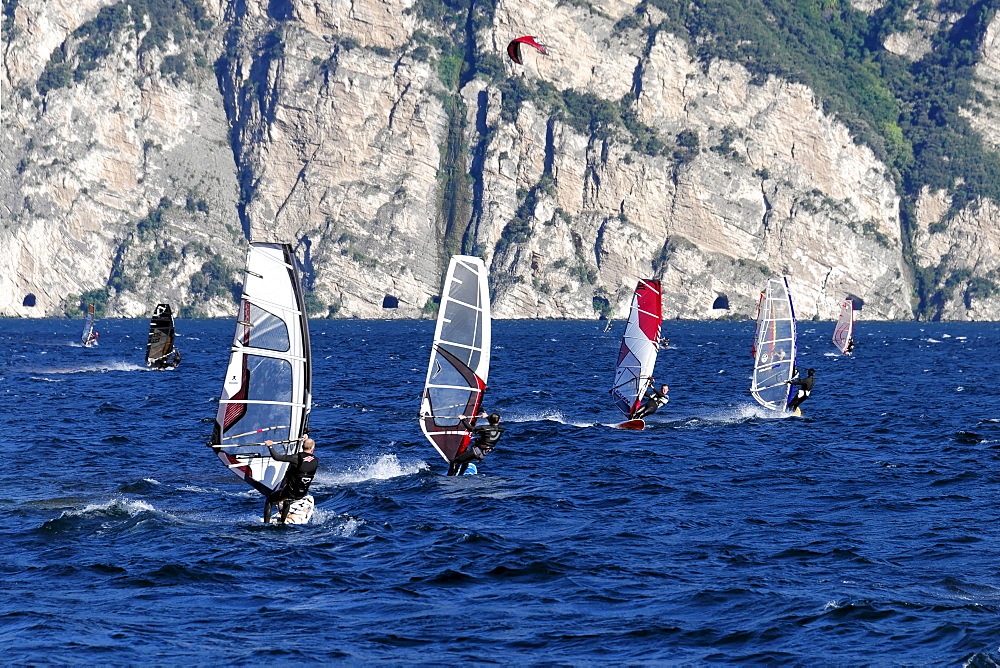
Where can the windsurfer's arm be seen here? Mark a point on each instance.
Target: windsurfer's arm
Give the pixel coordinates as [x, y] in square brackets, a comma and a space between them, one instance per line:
[291, 459]
[466, 424]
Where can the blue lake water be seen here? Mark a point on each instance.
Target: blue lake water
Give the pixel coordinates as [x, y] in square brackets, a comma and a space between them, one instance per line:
[864, 532]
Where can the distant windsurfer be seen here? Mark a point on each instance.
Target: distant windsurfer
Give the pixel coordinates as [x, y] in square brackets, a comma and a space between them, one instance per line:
[655, 399]
[850, 346]
[298, 477]
[174, 359]
[91, 340]
[486, 439]
[805, 389]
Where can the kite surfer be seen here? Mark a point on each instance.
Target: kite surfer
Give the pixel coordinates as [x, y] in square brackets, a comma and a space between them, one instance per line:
[805, 389]
[655, 399]
[299, 476]
[486, 440]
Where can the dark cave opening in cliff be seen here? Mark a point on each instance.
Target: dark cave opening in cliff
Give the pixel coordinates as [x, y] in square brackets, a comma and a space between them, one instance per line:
[859, 303]
[390, 302]
[722, 301]
[29, 300]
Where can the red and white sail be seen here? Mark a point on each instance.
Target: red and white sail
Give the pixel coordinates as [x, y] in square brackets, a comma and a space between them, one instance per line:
[844, 331]
[267, 392]
[460, 357]
[640, 343]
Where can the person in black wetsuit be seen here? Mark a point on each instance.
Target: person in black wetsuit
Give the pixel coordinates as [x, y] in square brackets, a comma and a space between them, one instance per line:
[655, 399]
[486, 440]
[298, 477]
[805, 389]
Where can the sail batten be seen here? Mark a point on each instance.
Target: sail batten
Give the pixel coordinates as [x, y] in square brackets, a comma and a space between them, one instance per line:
[269, 377]
[640, 343]
[775, 346]
[459, 363]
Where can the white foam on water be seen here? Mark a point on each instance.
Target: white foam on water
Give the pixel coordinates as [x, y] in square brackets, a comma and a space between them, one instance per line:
[117, 504]
[549, 415]
[100, 367]
[383, 468]
[746, 412]
[930, 340]
[48, 380]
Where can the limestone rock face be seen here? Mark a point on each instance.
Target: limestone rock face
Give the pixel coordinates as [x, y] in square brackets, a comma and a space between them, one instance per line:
[96, 176]
[349, 129]
[985, 117]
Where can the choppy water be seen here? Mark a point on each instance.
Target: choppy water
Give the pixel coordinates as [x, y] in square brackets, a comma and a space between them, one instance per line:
[864, 532]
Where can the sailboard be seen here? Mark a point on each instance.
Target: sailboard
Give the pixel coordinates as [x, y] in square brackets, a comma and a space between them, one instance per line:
[843, 333]
[637, 355]
[774, 346]
[267, 391]
[89, 336]
[460, 356]
[160, 352]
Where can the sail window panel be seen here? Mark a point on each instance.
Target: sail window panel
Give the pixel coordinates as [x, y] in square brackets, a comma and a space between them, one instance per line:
[447, 404]
[443, 373]
[461, 326]
[259, 416]
[465, 286]
[267, 331]
[270, 379]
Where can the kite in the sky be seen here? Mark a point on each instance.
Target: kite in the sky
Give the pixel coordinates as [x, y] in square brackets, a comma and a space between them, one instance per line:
[514, 48]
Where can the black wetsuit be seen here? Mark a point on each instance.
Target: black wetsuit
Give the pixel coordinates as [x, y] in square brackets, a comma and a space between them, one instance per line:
[486, 439]
[805, 389]
[296, 483]
[654, 401]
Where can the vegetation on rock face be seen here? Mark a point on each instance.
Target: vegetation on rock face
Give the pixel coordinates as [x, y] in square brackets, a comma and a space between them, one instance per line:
[156, 20]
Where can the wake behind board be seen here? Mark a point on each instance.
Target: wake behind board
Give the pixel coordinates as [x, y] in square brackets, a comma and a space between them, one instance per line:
[300, 512]
[638, 425]
[470, 469]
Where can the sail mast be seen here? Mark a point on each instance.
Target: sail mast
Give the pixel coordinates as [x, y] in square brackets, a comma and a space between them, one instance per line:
[774, 346]
[459, 364]
[640, 342]
[268, 382]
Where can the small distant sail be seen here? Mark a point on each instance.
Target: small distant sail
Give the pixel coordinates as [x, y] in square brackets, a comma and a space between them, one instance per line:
[774, 347]
[843, 333]
[637, 355]
[460, 357]
[160, 345]
[267, 391]
[89, 337]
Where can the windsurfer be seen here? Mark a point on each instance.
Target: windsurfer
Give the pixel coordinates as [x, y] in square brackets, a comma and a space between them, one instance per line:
[297, 479]
[805, 389]
[486, 440]
[655, 399]
[850, 345]
[175, 358]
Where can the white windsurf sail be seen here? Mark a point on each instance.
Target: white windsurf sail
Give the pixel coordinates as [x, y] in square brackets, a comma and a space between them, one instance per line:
[640, 342]
[774, 347]
[87, 338]
[160, 344]
[267, 391]
[843, 333]
[460, 357]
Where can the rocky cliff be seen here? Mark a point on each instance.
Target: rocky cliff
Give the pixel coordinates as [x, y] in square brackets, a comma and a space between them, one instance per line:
[144, 141]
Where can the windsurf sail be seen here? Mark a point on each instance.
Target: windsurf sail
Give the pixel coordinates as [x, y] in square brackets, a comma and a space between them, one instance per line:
[267, 391]
[160, 344]
[844, 331]
[87, 338]
[460, 356]
[640, 342]
[774, 346]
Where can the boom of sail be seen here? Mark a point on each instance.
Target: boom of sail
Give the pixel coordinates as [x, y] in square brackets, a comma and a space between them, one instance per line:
[460, 356]
[640, 342]
[88, 338]
[774, 346]
[160, 344]
[844, 331]
[267, 391]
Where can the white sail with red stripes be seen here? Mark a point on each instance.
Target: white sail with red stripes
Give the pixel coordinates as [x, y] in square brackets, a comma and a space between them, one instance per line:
[774, 347]
[844, 331]
[267, 392]
[460, 356]
[637, 355]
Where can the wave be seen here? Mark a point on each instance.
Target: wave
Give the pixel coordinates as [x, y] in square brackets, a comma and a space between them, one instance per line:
[100, 367]
[385, 467]
[544, 415]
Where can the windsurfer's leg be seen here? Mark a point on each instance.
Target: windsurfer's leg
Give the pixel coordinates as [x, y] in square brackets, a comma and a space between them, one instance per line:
[284, 511]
